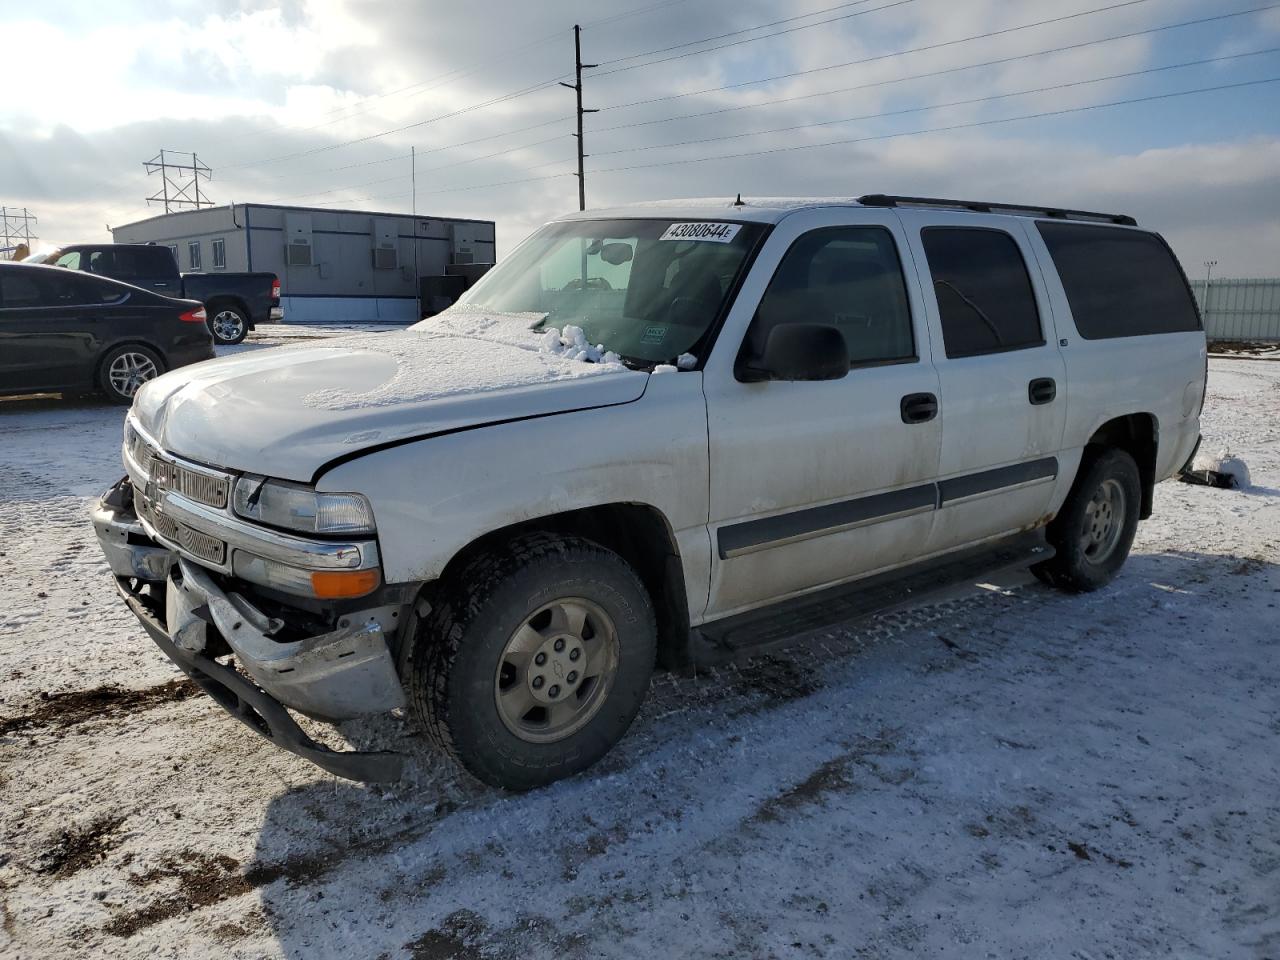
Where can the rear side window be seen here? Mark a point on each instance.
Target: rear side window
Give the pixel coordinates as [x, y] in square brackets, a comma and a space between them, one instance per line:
[984, 293]
[18, 289]
[1119, 283]
[76, 289]
[157, 261]
[846, 277]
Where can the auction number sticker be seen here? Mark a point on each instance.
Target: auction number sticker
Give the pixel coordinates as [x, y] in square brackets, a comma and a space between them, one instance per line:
[712, 232]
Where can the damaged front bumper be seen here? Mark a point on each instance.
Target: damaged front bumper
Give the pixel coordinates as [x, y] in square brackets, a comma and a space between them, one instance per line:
[344, 673]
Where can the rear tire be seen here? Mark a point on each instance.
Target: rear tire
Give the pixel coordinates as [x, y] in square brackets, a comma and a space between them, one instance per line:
[125, 369]
[228, 325]
[534, 661]
[1094, 530]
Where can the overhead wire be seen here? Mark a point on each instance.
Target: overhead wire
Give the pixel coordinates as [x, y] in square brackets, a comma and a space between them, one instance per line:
[939, 106]
[885, 56]
[942, 129]
[932, 73]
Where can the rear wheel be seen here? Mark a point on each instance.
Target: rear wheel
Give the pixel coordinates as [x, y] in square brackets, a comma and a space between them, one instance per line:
[125, 369]
[534, 662]
[1096, 526]
[228, 325]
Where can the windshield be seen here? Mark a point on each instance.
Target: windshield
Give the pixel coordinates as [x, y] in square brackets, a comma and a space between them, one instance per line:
[648, 290]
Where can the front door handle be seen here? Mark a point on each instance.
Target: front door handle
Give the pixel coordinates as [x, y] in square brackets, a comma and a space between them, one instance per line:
[918, 407]
[1041, 390]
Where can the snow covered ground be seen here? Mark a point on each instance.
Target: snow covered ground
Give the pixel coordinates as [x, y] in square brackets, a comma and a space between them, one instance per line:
[1009, 772]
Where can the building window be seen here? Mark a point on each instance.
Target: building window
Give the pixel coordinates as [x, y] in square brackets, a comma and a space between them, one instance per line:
[219, 254]
[193, 254]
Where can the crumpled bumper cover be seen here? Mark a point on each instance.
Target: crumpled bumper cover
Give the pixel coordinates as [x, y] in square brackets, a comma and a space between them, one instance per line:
[337, 675]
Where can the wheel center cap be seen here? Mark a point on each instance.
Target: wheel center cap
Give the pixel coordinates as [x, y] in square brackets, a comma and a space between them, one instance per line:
[555, 671]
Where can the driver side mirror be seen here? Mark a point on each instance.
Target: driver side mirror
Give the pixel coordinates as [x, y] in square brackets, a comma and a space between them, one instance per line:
[801, 351]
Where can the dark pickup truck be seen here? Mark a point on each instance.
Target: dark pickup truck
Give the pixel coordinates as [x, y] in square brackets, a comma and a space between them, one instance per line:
[235, 302]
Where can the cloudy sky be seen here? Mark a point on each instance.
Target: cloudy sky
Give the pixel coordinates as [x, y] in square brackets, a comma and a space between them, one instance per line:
[318, 102]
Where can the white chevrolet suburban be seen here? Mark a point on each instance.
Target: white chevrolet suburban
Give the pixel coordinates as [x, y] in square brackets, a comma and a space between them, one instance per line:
[663, 433]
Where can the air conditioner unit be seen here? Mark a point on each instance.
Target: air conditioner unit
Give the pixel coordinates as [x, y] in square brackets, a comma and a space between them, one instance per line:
[385, 233]
[298, 253]
[297, 240]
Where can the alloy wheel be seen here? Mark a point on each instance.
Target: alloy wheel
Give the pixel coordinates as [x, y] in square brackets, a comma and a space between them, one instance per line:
[556, 671]
[227, 325]
[129, 371]
[1104, 518]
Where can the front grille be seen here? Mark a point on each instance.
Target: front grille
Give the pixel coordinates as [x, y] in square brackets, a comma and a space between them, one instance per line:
[201, 487]
[201, 544]
[192, 541]
[209, 489]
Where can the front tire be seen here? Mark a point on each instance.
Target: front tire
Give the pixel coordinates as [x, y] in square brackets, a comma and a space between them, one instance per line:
[125, 369]
[228, 325]
[534, 661]
[1095, 528]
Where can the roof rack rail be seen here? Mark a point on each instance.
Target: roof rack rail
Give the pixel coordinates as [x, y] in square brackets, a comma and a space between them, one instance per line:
[1057, 213]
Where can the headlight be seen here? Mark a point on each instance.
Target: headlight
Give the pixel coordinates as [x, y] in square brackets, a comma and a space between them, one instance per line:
[298, 507]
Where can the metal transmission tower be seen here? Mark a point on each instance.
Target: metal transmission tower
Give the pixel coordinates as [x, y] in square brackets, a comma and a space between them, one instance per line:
[579, 66]
[15, 229]
[180, 180]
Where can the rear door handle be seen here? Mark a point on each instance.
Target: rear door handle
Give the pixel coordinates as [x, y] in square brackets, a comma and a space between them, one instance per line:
[1041, 390]
[918, 407]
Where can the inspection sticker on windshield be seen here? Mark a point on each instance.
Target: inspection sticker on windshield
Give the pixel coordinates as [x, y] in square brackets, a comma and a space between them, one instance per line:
[713, 232]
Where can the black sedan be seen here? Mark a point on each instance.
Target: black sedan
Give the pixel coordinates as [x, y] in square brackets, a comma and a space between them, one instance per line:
[67, 332]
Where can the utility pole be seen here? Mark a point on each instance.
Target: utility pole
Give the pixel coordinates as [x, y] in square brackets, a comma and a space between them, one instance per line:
[579, 66]
[1208, 272]
[179, 180]
[417, 274]
[15, 230]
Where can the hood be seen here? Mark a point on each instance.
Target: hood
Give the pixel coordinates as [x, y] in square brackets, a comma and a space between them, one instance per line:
[285, 412]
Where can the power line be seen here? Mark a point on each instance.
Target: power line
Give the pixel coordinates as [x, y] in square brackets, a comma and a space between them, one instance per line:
[896, 53]
[734, 33]
[951, 127]
[515, 94]
[459, 73]
[423, 152]
[766, 36]
[604, 21]
[475, 186]
[852, 140]
[938, 106]
[932, 73]
[443, 166]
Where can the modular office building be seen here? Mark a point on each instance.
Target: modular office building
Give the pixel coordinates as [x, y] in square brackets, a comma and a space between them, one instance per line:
[335, 266]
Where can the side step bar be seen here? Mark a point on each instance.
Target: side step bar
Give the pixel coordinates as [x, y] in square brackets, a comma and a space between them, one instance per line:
[757, 631]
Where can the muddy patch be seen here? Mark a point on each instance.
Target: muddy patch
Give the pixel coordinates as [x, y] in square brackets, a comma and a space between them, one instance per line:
[62, 710]
[201, 879]
[76, 848]
[776, 678]
[464, 935]
[831, 777]
[457, 938]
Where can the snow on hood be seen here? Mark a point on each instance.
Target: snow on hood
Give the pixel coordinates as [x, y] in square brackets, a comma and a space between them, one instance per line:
[287, 411]
[468, 353]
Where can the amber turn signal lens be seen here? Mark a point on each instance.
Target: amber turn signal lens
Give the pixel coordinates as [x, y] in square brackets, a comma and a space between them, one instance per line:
[340, 584]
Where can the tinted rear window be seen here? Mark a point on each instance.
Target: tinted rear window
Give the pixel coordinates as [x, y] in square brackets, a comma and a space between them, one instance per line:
[18, 289]
[985, 299]
[1120, 283]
